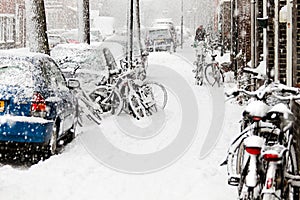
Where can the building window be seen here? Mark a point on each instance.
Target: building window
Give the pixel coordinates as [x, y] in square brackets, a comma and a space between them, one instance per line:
[18, 23]
[10, 29]
[2, 29]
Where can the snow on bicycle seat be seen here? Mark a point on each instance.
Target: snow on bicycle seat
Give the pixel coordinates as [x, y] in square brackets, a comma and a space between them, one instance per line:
[138, 82]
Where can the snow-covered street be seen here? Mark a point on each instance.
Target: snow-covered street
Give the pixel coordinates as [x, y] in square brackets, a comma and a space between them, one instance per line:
[79, 173]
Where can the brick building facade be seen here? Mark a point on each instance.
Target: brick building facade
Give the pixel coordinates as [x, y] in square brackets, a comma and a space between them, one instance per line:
[61, 14]
[12, 24]
[276, 45]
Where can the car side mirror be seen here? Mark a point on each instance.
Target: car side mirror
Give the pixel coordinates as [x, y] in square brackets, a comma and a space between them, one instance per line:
[73, 83]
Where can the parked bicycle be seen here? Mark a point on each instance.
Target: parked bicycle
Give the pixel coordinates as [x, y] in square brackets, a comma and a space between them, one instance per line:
[280, 157]
[128, 93]
[87, 108]
[201, 52]
[262, 131]
[212, 72]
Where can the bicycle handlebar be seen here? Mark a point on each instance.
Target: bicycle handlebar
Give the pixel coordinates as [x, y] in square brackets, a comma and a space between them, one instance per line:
[270, 89]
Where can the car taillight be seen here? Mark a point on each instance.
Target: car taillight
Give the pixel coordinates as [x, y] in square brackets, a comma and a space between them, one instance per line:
[38, 106]
[256, 119]
[253, 150]
[271, 157]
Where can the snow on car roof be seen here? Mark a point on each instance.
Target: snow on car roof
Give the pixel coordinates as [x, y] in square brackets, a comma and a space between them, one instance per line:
[90, 56]
[63, 50]
[22, 55]
[159, 27]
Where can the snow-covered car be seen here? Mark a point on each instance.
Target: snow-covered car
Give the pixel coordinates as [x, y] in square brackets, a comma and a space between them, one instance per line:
[37, 106]
[55, 39]
[166, 22]
[123, 40]
[92, 61]
[160, 38]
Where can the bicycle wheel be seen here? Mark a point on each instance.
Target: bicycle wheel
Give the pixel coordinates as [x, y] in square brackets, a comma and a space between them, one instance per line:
[136, 107]
[158, 94]
[199, 75]
[213, 75]
[291, 167]
[109, 100]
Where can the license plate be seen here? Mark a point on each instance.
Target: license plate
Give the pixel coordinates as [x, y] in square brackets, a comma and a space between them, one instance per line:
[1, 106]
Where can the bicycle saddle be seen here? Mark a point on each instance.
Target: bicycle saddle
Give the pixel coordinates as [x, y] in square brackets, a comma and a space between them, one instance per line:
[214, 56]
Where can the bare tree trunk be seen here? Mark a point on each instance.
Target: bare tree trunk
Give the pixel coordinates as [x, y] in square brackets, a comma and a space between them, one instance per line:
[84, 21]
[86, 17]
[37, 27]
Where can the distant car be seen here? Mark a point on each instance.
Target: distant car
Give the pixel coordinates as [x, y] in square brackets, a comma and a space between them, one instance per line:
[55, 39]
[166, 22]
[96, 35]
[73, 37]
[37, 106]
[93, 62]
[160, 38]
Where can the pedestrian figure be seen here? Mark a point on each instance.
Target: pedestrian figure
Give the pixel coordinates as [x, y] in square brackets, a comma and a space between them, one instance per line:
[200, 34]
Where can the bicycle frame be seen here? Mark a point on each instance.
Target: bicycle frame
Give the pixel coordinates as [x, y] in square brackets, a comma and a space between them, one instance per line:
[277, 157]
[263, 172]
[274, 155]
[127, 88]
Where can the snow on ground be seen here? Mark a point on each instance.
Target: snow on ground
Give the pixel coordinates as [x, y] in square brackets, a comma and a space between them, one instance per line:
[76, 174]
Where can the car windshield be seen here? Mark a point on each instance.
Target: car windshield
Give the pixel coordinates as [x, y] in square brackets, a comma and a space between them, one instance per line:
[16, 73]
[159, 33]
[88, 59]
[54, 39]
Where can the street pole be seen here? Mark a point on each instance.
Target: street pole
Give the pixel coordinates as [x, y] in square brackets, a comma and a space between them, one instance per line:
[231, 31]
[138, 21]
[181, 24]
[289, 47]
[236, 32]
[276, 38]
[253, 34]
[130, 34]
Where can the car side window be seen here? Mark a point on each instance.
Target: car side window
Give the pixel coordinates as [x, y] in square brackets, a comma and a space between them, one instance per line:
[54, 75]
